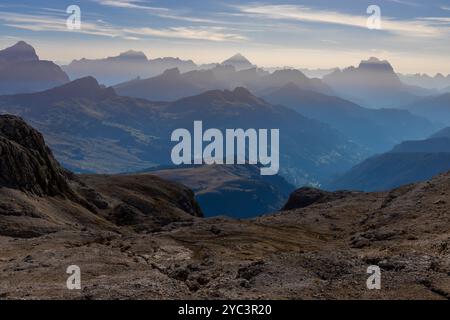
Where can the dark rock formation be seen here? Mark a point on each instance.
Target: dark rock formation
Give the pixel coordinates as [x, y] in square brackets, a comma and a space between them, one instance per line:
[304, 197]
[38, 196]
[26, 163]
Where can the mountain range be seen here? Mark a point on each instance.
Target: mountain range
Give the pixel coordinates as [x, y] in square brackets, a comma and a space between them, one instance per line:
[373, 84]
[126, 66]
[377, 129]
[408, 162]
[439, 81]
[435, 108]
[92, 129]
[239, 62]
[22, 71]
[173, 85]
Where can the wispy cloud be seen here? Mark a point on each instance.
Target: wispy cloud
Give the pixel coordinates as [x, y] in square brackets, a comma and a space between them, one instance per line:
[408, 28]
[406, 3]
[55, 24]
[101, 28]
[216, 34]
[439, 20]
[130, 4]
[165, 13]
[445, 8]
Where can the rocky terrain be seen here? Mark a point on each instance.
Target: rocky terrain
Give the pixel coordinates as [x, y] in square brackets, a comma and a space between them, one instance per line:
[140, 237]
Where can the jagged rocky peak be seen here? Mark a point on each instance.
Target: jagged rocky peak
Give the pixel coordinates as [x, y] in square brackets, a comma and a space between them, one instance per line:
[26, 163]
[20, 52]
[238, 57]
[376, 64]
[239, 62]
[132, 55]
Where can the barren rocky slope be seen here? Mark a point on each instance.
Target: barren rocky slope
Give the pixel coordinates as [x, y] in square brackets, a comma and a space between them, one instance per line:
[315, 249]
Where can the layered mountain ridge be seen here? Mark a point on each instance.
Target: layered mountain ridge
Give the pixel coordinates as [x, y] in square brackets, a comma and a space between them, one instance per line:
[408, 162]
[101, 128]
[22, 71]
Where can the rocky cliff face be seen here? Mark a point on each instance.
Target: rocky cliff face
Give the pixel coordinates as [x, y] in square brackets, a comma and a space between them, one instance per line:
[38, 196]
[26, 163]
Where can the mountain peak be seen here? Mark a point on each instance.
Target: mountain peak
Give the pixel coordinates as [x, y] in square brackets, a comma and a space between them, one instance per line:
[87, 88]
[20, 52]
[133, 56]
[376, 64]
[238, 57]
[239, 95]
[239, 62]
[242, 92]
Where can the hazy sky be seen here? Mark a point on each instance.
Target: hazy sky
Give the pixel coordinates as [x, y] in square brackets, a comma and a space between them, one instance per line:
[415, 35]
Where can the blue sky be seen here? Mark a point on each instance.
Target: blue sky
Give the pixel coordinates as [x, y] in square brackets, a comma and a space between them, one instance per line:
[415, 35]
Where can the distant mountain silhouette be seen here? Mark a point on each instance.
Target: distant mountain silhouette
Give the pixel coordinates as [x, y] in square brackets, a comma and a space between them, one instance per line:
[169, 86]
[98, 131]
[127, 65]
[408, 162]
[21, 71]
[435, 108]
[20, 52]
[377, 129]
[444, 133]
[239, 62]
[373, 84]
[431, 145]
[439, 81]
[173, 85]
[85, 88]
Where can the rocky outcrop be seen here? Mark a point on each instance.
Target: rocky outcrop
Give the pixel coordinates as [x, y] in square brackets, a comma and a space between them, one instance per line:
[26, 163]
[38, 196]
[305, 197]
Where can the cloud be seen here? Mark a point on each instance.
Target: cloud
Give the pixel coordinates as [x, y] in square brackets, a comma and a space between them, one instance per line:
[216, 34]
[55, 24]
[406, 3]
[157, 11]
[439, 20]
[445, 8]
[129, 4]
[101, 28]
[417, 28]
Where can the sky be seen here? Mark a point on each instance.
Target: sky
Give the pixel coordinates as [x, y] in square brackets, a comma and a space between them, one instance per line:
[414, 35]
